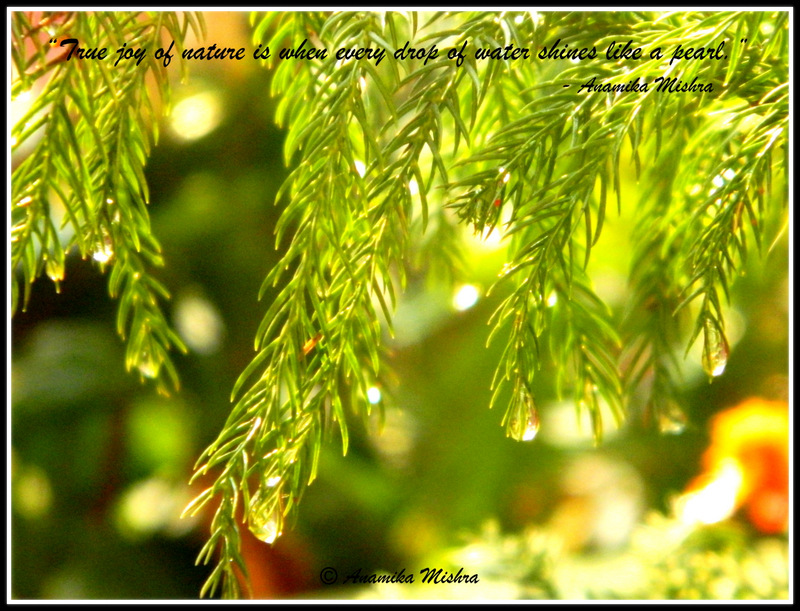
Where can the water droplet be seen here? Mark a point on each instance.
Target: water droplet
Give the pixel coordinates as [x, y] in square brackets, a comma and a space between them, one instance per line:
[148, 366]
[264, 518]
[55, 270]
[105, 251]
[715, 351]
[671, 419]
[524, 422]
[265, 529]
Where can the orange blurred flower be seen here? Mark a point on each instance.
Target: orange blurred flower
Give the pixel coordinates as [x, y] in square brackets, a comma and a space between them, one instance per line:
[746, 467]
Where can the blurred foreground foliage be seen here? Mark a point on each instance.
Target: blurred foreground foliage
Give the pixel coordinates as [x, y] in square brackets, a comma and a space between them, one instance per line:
[665, 561]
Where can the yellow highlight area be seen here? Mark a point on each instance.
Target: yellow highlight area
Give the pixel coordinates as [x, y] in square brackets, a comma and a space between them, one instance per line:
[717, 500]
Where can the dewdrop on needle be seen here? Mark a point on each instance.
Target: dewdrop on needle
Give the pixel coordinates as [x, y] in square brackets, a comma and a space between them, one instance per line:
[524, 422]
[715, 351]
[264, 518]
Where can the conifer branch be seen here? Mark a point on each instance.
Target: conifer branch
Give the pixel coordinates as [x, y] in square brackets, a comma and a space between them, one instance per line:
[351, 207]
[318, 343]
[91, 126]
[651, 327]
[549, 164]
[727, 206]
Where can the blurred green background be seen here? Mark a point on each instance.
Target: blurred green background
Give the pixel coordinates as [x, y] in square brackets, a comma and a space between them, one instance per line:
[100, 463]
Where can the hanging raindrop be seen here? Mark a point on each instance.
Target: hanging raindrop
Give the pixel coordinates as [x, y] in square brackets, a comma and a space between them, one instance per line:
[524, 422]
[105, 250]
[264, 518]
[715, 350]
[148, 366]
[671, 418]
[55, 270]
